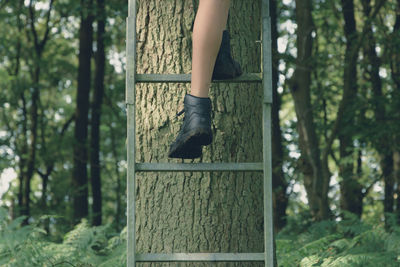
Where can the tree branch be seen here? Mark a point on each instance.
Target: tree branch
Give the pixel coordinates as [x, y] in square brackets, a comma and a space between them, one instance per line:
[46, 34]
[66, 125]
[343, 103]
[367, 189]
[39, 45]
[32, 23]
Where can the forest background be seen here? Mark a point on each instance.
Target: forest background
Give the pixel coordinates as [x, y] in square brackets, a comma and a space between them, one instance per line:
[335, 134]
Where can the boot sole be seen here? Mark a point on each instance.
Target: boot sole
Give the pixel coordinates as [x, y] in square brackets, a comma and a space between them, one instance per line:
[224, 76]
[191, 143]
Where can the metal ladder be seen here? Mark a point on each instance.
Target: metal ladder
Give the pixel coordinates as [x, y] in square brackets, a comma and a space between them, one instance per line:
[266, 79]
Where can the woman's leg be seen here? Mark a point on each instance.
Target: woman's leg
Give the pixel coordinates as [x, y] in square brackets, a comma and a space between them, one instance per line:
[196, 131]
[211, 19]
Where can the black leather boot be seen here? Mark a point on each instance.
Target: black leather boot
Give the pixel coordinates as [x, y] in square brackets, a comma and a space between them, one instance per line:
[225, 67]
[196, 129]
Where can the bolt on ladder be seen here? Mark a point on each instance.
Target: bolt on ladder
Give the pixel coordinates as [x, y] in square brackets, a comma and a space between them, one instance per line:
[266, 79]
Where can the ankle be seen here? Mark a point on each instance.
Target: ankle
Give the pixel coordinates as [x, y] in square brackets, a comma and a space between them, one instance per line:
[199, 94]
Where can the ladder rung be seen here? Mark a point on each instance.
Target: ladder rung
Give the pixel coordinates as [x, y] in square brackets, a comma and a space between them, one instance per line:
[185, 78]
[190, 257]
[191, 167]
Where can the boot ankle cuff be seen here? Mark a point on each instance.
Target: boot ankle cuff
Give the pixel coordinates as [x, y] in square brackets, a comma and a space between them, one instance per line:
[199, 97]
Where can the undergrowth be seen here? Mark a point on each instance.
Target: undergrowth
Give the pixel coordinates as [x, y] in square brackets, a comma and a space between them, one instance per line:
[83, 246]
[345, 243]
[348, 242]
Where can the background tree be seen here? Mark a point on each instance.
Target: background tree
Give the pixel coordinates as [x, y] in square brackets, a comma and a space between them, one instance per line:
[393, 57]
[350, 189]
[80, 177]
[382, 141]
[98, 93]
[316, 175]
[279, 183]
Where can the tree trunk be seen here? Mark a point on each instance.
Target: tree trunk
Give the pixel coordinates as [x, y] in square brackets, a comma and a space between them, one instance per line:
[96, 113]
[383, 143]
[79, 178]
[198, 212]
[279, 184]
[118, 181]
[396, 178]
[395, 69]
[21, 148]
[33, 115]
[43, 201]
[39, 44]
[310, 162]
[350, 189]
[119, 217]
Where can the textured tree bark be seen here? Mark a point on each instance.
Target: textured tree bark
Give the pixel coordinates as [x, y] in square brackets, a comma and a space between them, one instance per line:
[79, 178]
[315, 181]
[198, 212]
[350, 189]
[279, 184]
[96, 114]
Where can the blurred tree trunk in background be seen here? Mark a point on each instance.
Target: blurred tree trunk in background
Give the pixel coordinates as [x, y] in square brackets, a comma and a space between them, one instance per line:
[21, 147]
[351, 194]
[279, 184]
[96, 113]
[394, 61]
[119, 216]
[316, 181]
[79, 178]
[383, 139]
[39, 43]
[198, 212]
[396, 178]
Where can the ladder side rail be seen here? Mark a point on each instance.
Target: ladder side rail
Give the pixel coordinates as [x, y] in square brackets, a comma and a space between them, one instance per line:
[266, 106]
[131, 131]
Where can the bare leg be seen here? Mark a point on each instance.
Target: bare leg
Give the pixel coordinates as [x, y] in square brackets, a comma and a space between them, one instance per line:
[209, 24]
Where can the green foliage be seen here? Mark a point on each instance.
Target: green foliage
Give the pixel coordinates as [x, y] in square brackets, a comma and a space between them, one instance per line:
[83, 246]
[58, 66]
[348, 242]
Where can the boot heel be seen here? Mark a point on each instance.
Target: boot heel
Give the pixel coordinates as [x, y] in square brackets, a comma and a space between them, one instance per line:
[204, 139]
